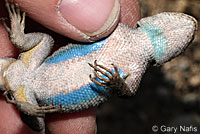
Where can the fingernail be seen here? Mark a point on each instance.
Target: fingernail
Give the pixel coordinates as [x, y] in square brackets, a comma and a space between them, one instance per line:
[92, 17]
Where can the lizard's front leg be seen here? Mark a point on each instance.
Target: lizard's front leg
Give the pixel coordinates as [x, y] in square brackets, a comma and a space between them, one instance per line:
[110, 79]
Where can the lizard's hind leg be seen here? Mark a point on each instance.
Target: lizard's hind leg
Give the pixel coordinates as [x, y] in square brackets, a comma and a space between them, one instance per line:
[17, 36]
[113, 81]
[16, 32]
[36, 46]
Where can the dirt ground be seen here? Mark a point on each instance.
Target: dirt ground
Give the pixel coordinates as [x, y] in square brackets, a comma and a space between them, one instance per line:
[169, 96]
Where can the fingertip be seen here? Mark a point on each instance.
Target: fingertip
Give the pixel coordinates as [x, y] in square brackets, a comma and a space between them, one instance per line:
[91, 17]
[82, 20]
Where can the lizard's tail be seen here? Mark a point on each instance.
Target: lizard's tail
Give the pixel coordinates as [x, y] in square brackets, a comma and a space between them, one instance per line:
[170, 34]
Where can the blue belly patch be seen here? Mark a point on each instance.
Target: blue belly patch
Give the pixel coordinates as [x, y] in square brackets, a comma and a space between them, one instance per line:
[75, 52]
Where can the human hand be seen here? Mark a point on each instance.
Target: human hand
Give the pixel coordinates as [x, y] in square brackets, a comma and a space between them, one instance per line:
[86, 16]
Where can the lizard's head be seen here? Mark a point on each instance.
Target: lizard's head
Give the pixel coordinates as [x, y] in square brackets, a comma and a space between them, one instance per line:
[170, 33]
[4, 63]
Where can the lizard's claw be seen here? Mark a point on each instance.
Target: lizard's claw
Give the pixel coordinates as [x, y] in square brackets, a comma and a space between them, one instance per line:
[109, 78]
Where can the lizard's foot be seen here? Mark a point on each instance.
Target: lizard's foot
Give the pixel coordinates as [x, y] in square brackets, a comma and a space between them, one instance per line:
[28, 108]
[113, 81]
[17, 21]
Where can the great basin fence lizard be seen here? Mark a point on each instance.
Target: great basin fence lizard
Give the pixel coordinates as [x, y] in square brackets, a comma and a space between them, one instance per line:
[37, 83]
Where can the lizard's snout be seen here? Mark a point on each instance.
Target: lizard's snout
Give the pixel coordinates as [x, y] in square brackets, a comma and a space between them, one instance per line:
[170, 33]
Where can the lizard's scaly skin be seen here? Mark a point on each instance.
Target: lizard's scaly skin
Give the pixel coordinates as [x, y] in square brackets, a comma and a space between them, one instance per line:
[63, 78]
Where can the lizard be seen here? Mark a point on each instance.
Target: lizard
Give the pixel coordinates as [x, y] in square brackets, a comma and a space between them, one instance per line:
[84, 75]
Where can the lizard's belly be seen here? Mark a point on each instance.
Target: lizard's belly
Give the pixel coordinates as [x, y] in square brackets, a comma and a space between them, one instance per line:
[68, 85]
